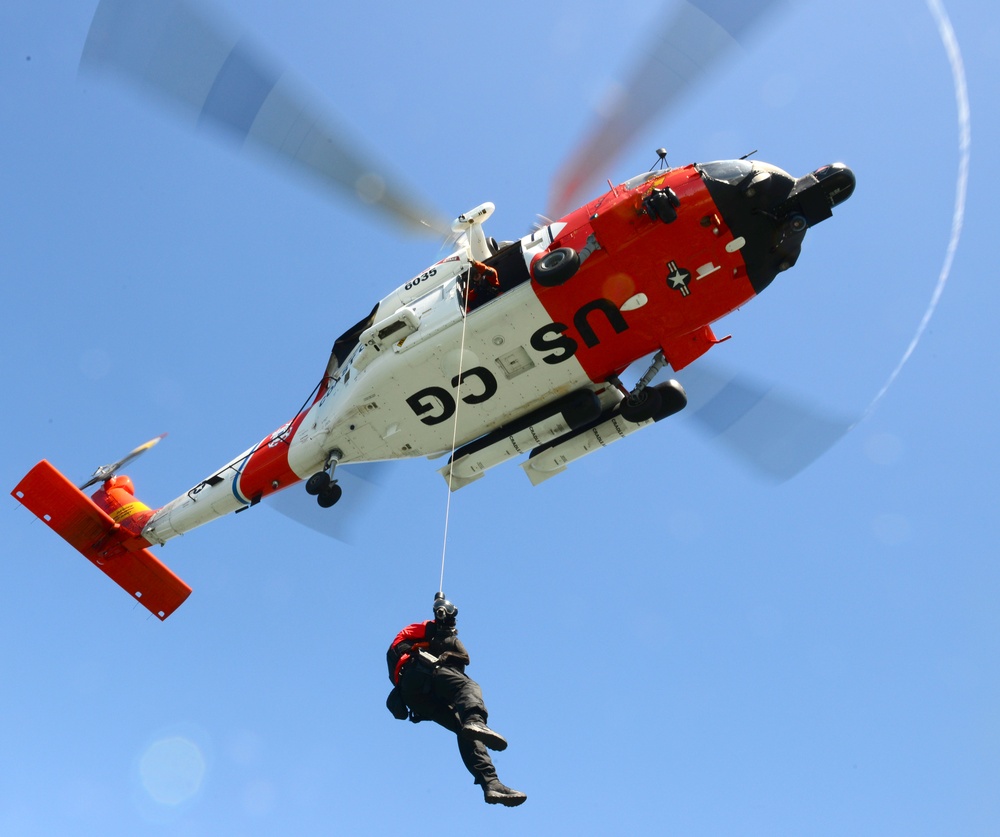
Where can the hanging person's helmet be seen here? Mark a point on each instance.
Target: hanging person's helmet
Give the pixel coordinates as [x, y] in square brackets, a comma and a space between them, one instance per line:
[444, 611]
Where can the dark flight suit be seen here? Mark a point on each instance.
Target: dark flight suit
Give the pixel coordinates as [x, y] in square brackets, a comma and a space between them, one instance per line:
[444, 694]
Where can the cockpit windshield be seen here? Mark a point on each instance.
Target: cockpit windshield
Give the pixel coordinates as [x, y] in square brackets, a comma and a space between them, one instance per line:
[632, 182]
[728, 171]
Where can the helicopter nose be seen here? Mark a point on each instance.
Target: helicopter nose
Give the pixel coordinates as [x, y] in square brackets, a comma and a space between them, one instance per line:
[816, 194]
[770, 210]
[837, 182]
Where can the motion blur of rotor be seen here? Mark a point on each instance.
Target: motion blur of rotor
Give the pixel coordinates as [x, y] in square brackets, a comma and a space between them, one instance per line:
[690, 43]
[209, 72]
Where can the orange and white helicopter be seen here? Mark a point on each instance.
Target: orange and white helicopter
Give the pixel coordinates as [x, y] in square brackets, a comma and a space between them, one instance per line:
[499, 350]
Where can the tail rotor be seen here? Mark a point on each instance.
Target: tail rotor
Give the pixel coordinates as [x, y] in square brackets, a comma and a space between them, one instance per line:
[105, 472]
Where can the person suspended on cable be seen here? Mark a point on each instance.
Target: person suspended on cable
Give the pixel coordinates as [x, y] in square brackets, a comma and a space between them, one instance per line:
[427, 664]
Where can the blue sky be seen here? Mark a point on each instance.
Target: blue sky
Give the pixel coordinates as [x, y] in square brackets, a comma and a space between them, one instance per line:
[671, 644]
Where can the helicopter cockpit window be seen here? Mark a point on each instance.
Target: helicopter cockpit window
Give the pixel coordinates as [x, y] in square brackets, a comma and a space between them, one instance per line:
[632, 182]
[728, 171]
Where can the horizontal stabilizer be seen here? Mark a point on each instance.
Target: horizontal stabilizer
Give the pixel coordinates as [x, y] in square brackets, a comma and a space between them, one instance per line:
[77, 519]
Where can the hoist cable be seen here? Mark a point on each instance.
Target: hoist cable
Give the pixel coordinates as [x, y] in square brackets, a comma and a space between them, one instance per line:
[454, 434]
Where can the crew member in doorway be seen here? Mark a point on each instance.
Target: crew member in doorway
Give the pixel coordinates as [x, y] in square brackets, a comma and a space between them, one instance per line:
[427, 664]
[484, 284]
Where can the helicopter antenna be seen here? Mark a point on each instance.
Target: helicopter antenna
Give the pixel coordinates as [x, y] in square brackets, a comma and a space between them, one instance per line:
[662, 162]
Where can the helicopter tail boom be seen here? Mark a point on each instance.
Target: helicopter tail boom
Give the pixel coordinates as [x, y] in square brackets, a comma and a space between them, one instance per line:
[104, 534]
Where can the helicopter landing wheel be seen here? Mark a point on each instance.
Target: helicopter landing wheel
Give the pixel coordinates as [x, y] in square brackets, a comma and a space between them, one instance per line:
[641, 406]
[557, 267]
[329, 496]
[318, 483]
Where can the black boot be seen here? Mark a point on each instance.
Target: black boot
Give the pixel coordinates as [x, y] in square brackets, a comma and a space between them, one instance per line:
[497, 793]
[475, 729]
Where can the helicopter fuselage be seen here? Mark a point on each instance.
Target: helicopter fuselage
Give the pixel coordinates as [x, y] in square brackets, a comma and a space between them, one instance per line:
[655, 261]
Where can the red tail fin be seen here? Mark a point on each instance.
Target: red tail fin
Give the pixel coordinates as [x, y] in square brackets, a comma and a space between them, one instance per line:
[113, 550]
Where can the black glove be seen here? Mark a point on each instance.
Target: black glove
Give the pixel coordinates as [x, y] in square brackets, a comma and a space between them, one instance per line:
[396, 705]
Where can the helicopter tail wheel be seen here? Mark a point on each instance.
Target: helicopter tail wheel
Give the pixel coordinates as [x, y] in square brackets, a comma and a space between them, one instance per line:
[318, 483]
[329, 496]
[662, 204]
[642, 405]
[557, 267]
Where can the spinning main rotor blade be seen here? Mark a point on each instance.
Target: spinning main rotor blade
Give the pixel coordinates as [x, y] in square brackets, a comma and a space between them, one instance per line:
[107, 471]
[694, 40]
[354, 516]
[175, 50]
[774, 433]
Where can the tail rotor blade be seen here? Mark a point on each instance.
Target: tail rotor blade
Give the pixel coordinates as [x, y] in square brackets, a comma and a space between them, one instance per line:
[204, 67]
[107, 471]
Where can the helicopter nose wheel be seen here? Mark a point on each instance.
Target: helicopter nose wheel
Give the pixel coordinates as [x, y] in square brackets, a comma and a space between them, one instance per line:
[642, 405]
[323, 486]
[643, 402]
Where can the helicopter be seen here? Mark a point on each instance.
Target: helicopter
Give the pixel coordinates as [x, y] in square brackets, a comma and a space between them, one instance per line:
[500, 350]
